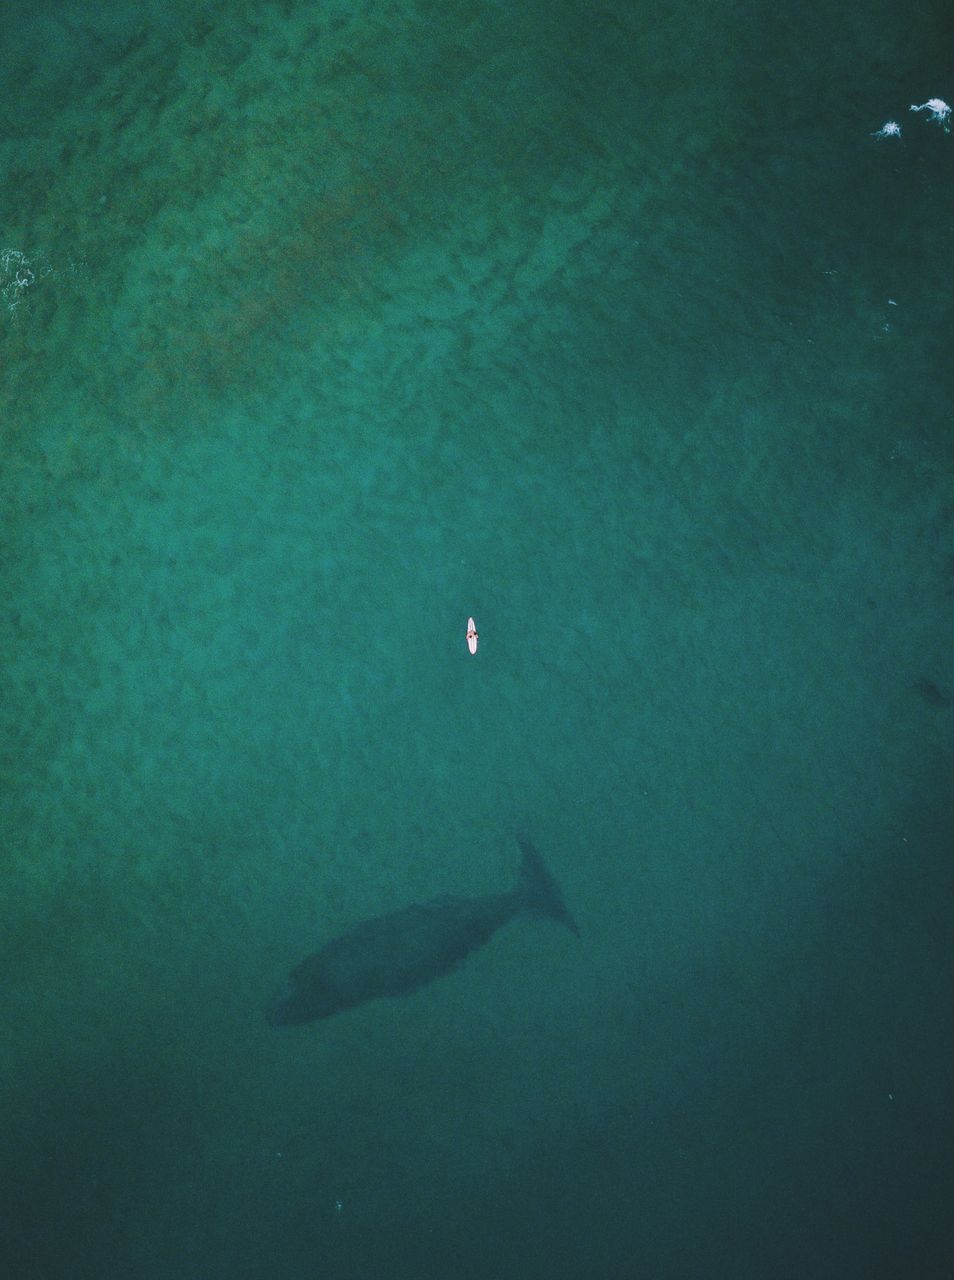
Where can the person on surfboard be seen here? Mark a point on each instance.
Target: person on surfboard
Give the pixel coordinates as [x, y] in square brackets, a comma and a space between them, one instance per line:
[472, 636]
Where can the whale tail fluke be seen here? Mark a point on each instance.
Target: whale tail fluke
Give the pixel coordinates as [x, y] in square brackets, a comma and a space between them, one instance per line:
[539, 893]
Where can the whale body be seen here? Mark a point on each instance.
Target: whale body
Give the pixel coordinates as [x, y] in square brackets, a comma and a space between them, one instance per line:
[394, 954]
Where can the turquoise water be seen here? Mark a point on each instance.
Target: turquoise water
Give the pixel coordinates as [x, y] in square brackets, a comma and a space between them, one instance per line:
[322, 329]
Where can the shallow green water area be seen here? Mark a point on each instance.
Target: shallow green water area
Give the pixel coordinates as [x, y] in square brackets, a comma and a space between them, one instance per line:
[323, 328]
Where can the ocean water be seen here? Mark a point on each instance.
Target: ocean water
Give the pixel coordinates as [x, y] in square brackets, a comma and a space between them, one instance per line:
[323, 328]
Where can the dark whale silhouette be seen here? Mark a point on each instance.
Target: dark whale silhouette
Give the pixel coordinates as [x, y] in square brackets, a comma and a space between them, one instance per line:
[403, 950]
